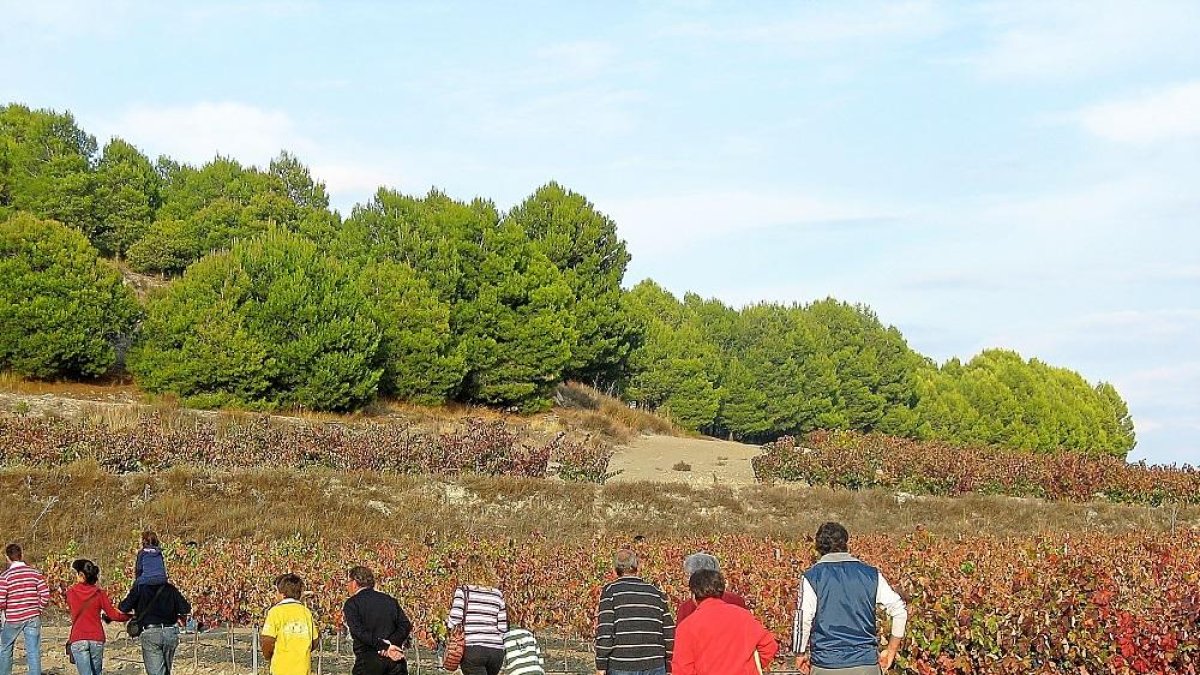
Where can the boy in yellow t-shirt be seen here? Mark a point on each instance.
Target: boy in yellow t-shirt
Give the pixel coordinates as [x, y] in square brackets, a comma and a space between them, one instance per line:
[289, 634]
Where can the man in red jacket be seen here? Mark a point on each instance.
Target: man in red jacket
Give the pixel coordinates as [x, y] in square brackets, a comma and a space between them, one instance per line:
[720, 638]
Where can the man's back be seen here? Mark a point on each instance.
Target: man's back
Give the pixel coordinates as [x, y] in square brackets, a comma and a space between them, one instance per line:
[156, 605]
[634, 627]
[374, 617]
[23, 593]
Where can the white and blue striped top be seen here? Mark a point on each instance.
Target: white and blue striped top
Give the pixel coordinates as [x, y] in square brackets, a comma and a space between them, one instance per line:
[487, 619]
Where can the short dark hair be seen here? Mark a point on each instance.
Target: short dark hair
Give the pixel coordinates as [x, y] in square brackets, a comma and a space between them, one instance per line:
[832, 538]
[706, 584]
[362, 576]
[13, 551]
[149, 538]
[89, 570]
[289, 586]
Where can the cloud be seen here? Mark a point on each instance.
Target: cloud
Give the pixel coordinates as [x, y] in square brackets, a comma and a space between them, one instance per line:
[1039, 40]
[818, 24]
[655, 224]
[196, 132]
[1169, 114]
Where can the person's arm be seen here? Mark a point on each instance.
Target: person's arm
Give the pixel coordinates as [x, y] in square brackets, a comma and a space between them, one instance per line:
[896, 610]
[767, 646]
[605, 615]
[3, 592]
[668, 624]
[456, 609]
[806, 611]
[315, 631]
[43, 591]
[129, 604]
[402, 629]
[183, 608]
[267, 635]
[137, 564]
[111, 612]
[683, 660]
[502, 616]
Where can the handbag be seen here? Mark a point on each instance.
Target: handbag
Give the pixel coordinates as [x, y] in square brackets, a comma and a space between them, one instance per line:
[134, 626]
[74, 618]
[456, 642]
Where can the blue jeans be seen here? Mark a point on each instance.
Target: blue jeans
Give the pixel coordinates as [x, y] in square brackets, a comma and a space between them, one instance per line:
[158, 648]
[89, 656]
[662, 670]
[32, 630]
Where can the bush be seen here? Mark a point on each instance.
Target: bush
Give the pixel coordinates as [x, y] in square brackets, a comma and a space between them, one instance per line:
[61, 307]
[273, 322]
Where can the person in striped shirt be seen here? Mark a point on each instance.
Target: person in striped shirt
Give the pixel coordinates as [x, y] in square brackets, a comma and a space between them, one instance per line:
[635, 631]
[480, 609]
[23, 596]
[522, 656]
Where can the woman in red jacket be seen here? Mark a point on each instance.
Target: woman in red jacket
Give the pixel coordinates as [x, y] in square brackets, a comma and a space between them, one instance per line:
[86, 601]
[720, 638]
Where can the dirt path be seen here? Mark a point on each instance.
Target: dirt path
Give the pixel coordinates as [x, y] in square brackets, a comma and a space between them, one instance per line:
[712, 462]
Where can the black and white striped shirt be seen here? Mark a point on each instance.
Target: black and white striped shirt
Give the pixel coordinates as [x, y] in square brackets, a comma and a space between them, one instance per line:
[521, 654]
[634, 626]
[487, 619]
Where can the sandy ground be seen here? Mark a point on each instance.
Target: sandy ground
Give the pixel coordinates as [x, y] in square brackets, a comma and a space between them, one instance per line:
[209, 653]
[712, 462]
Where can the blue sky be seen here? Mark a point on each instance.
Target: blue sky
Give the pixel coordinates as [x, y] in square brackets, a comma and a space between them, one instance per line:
[1015, 174]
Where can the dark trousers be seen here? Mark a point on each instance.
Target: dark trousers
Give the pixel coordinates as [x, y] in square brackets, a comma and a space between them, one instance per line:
[374, 664]
[482, 660]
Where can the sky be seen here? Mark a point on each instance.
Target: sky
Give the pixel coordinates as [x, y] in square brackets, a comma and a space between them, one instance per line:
[988, 174]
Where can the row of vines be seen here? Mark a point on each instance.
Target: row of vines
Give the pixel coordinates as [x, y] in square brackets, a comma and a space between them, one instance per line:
[857, 461]
[1038, 604]
[154, 443]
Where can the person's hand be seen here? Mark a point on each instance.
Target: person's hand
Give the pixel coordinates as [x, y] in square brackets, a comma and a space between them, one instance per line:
[802, 663]
[600, 672]
[886, 658]
[395, 653]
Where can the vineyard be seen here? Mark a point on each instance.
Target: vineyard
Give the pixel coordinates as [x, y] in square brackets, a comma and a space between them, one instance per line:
[1065, 604]
[857, 461]
[154, 444]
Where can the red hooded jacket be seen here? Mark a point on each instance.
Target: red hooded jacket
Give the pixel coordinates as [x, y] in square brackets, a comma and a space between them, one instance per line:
[720, 639]
[85, 602]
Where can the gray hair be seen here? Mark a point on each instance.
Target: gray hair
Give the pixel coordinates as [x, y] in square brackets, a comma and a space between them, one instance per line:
[625, 561]
[700, 561]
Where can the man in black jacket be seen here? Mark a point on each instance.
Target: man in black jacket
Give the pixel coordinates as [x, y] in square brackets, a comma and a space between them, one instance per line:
[158, 609]
[379, 627]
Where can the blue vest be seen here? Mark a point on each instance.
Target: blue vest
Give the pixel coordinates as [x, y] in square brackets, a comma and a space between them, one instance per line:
[844, 631]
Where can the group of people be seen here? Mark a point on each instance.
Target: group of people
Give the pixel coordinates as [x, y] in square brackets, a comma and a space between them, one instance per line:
[153, 603]
[712, 633]
[834, 632]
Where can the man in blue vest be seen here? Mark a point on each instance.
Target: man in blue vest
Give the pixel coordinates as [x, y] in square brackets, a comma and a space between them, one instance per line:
[835, 630]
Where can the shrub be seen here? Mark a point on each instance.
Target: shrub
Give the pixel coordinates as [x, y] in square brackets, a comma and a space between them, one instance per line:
[273, 322]
[61, 307]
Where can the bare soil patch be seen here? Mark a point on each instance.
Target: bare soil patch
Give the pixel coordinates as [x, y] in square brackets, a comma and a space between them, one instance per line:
[693, 461]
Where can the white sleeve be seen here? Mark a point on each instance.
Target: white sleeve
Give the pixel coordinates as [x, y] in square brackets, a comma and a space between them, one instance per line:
[806, 610]
[894, 605]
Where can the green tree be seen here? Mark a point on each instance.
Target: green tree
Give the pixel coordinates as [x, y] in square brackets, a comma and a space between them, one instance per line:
[61, 307]
[46, 167]
[419, 359]
[272, 322]
[126, 196]
[583, 244]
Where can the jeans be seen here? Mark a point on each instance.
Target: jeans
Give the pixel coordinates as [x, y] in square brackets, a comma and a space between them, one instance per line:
[661, 670]
[32, 630]
[89, 656]
[158, 648]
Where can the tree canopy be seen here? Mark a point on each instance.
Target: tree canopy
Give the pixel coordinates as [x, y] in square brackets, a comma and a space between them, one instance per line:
[275, 300]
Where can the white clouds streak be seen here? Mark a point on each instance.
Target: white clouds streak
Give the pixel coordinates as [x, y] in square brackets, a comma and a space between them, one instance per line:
[1169, 114]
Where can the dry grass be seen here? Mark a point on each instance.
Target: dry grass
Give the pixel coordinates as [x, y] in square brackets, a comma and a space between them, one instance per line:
[82, 506]
[589, 409]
